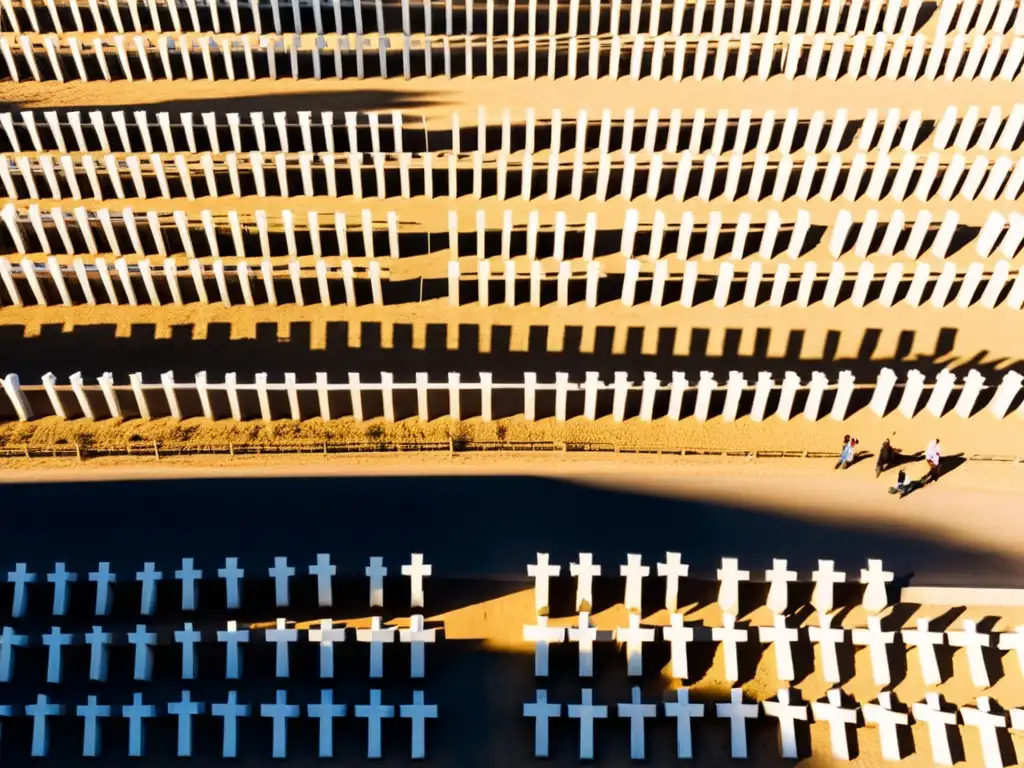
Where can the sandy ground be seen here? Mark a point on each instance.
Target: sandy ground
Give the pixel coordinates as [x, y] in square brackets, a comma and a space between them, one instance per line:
[489, 514]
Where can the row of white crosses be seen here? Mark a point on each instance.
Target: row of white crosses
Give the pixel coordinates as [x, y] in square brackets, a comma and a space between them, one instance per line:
[278, 712]
[83, 223]
[909, 403]
[189, 576]
[121, 273]
[825, 577]
[325, 634]
[881, 714]
[904, 56]
[104, 127]
[876, 130]
[679, 636]
[883, 178]
[879, 16]
[999, 233]
[758, 286]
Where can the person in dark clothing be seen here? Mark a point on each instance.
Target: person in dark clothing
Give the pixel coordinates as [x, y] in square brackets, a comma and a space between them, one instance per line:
[902, 486]
[886, 457]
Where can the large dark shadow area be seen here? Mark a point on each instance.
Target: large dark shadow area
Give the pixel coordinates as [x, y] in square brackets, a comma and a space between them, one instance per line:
[464, 525]
[483, 530]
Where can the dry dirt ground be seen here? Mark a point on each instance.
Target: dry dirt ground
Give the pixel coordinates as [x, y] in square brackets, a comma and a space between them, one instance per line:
[480, 519]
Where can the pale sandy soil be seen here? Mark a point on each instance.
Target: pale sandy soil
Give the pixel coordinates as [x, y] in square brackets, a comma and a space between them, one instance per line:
[969, 517]
[436, 98]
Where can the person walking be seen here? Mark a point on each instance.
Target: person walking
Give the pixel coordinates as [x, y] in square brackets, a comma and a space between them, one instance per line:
[933, 456]
[886, 456]
[848, 454]
[842, 452]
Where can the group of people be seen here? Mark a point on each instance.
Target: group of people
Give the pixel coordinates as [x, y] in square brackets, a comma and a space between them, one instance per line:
[888, 457]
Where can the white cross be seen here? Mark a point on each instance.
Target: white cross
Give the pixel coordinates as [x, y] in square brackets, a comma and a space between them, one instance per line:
[678, 635]
[637, 712]
[188, 576]
[634, 573]
[135, 713]
[60, 578]
[925, 643]
[323, 570]
[19, 577]
[374, 712]
[281, 637]
[280, 573]
[91, 712]
[876, 640]
[376, 636]
[672, 570]
[1017, 719]
[327, 635]
[39, 712]
[376, 572]
[939, 723]
[233, 660]
[184, 710]
[783, 637]
[103, 578]
[587, 712]
[729, 636]
[778, 593]
[8, 642]
[325, 712]
[416, 635]
[232, 576]
[188, 637]
[973, 640]
[541, 711]
[54, 640]
[543, 636]
[149, 576]
[737, 713]
[634, 636]
[1007, 641]
[143, 642]
[98, 640]
[416, 571]
[875, 579]
[837, 717]
[584, 572]
[729, 577]
[827, 637]
[825, 579]
[585, 635]
[230, 711]
[540, 573]
[279, 712]
[418, 713]
[683, 711]
[787, 714]
[882, 715]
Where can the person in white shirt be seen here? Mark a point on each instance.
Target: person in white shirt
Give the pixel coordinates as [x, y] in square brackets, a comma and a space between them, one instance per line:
[933, 456]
